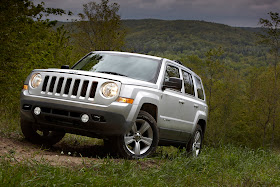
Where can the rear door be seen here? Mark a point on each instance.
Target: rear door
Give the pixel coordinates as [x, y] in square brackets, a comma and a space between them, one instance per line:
[189, 104]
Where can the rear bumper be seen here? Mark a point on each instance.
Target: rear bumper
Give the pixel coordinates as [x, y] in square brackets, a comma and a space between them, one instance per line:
[66, 115]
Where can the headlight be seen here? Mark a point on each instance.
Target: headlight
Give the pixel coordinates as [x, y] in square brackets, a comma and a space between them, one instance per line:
[109, 89]
[36, 80]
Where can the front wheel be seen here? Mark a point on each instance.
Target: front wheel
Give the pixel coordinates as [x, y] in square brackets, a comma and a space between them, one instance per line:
[142, 140]
[195, 144]
[36, 136]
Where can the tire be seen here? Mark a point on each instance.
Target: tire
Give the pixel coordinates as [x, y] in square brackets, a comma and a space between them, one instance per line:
[36, 136]
[142, 140]
[194, 146]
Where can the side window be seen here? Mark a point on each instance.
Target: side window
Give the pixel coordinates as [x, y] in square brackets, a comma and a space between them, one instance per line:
[171, 71]
[199, 89]
[188, 83]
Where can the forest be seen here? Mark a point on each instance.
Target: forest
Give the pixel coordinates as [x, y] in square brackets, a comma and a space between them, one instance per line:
[239, 66]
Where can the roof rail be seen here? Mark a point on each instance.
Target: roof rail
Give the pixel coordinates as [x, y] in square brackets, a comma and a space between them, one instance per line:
[179, 62]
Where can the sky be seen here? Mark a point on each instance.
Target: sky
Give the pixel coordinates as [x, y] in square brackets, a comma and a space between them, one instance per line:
[240, 13]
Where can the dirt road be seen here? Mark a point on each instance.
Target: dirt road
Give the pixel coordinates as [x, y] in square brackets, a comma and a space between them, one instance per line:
[60, 154]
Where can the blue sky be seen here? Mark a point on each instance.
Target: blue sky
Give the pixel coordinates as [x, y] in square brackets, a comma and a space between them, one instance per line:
[243, 13]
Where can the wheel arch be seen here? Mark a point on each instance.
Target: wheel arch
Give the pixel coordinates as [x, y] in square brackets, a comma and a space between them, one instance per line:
[152, 109]
[202, 124]
[146, 101]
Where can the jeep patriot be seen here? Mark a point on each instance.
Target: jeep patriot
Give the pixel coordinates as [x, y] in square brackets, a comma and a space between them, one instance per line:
[133, 102]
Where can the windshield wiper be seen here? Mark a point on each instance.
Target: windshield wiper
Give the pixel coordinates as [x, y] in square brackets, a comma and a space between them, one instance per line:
[112, 73]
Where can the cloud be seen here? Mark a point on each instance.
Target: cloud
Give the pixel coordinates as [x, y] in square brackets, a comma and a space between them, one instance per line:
[232, 12]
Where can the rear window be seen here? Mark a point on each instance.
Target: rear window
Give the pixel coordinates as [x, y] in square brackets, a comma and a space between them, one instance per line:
[188, 83]
[200, 92]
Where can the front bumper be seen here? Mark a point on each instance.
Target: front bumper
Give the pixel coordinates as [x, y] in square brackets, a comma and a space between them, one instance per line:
[57, 114]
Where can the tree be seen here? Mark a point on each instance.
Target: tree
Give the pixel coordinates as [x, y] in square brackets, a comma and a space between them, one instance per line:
[260, 94]
[271, 38]
[213, 69]
[28, 41]
[100, 27]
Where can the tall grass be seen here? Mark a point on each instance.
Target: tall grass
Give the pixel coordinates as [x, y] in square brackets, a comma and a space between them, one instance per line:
[9, 122]
[221, 166]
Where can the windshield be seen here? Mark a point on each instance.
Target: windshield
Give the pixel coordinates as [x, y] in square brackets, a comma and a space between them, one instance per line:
[131, 66]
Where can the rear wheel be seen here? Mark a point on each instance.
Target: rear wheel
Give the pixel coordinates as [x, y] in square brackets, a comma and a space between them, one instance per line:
[142, 140]
[195, 144]
[36, 136]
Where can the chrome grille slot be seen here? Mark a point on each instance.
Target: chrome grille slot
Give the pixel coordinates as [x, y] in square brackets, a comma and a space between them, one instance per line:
[76, 86]
[84, 88]
[67, 86]
[52, 84]
[93, 90]
[45, 83]
[59, 85]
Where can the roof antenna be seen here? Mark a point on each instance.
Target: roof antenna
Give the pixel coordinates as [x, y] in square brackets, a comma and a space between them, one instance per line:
[179, 62]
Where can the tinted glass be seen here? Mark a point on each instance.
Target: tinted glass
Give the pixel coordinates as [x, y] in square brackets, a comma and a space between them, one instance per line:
[171, 71]
[135, 67]
[199, 88]
[188, 83]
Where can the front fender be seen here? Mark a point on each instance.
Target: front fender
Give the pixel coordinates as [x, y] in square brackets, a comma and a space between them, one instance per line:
[141, 98]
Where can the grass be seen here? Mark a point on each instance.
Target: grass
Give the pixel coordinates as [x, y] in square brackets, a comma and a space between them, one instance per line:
[216, 166]
[220, 166]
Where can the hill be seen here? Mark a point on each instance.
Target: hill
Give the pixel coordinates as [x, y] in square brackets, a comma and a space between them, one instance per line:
[185, 37]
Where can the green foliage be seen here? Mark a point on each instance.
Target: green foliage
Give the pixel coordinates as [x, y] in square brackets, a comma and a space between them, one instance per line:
[271, 34]
[27, 42]
[271, 38]
[185, 38]
[220, 166]
[99, 28]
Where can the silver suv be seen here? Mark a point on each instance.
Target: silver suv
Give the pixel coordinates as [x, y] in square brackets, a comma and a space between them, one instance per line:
[133, 102]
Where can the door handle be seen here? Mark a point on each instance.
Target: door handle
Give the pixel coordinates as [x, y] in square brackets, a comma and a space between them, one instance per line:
[164, 119]
[181, 101]
[195, 106]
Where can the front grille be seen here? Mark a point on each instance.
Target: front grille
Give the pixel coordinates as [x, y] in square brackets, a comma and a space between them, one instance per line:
[69, 87]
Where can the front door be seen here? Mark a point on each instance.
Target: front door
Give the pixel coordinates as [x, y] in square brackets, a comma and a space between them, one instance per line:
[170, 122]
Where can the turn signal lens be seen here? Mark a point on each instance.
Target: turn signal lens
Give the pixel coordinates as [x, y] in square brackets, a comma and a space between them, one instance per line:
[125, 100]
[25, 87]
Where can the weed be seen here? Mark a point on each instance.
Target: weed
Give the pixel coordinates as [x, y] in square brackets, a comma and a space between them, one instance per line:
[225, 165]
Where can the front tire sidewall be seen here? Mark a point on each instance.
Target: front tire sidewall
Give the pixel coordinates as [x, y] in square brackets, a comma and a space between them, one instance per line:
[30, 133]
[122, 148]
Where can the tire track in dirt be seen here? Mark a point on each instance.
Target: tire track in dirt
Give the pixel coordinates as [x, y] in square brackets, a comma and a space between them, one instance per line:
[19, 150]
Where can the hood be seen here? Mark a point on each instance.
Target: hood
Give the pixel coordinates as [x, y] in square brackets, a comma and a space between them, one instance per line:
[122, 79]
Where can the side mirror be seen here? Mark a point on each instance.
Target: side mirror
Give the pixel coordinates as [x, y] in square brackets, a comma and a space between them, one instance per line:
[173, 83]
[65, 67]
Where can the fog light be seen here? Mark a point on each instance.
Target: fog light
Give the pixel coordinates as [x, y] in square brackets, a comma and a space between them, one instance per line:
[37, 111]
[85, 118]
